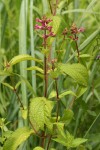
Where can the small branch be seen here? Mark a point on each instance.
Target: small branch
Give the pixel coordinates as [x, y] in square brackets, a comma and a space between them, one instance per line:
[55, 8]
[50, 7]
[49, 142]
[21, 104]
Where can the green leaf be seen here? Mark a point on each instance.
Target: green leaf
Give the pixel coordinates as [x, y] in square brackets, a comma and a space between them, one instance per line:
[22, 57]
[40, 110]
[38, 148]
[85, 55]
[77, 71]
[36, 68]
[81, 90]
[24, 113]
[52, 94]
[66, 93]
[81, 147]
[17, 137]
[58, 24]
[67, 139]
[9, 86]
[76, 142]
[18, 84]
[67, 116]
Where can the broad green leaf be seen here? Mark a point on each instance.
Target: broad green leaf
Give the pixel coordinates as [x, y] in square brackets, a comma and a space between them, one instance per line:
[89, 39]
[81, 90]
[77, 71]
[38, 148]
[40, 110]
[17, 137]
[66, 93]
[9, 86]
[52, 94]
[67, 139]
[67, 116]
[76, 142]
[36, 68]
[58, 24]
[22, 57]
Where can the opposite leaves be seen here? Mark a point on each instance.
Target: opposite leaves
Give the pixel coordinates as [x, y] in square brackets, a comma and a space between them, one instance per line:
[17, 137]
[40, 111]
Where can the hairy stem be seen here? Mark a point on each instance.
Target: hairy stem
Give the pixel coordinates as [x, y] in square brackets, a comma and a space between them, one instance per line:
[45, 82]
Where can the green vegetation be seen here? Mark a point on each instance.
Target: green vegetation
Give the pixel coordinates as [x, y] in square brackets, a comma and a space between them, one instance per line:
[49, 75]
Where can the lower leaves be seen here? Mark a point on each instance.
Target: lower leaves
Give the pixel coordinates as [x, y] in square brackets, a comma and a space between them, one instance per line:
[17, 137]
[66, 139]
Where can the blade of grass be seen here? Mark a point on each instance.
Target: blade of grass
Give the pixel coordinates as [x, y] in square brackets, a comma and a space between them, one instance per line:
[23, 50]
[32, 45]
[91, 4]
[45, 6]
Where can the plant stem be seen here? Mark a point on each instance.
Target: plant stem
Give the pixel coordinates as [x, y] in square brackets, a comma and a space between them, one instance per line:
[50, 7]
[55, 8]
[49, 142]
[21, 104]
[45, 82]
[45, 76]
[77, 50]
[45, 67]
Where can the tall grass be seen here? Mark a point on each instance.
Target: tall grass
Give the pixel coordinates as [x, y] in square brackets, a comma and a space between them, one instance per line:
[85, 13]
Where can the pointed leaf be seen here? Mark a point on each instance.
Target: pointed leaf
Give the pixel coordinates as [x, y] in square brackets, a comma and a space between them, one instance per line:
[77, 71]
[76, 142]
[17, 137]
[40, 110]
[66, 93]
[9, 86]
[36, 68]
[67, 117]
[20, 58]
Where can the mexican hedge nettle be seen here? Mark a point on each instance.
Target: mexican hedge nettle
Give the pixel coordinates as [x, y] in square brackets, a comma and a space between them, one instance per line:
[47, 121]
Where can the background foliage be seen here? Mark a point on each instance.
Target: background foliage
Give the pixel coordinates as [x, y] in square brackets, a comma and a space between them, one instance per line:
[17, 36]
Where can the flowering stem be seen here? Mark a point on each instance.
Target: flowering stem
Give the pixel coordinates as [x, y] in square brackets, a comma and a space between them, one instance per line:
[45, 82]
[45, 67]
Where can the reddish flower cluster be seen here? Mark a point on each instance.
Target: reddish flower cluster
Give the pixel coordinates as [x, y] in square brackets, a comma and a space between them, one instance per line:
[44, 26]
[73, 31]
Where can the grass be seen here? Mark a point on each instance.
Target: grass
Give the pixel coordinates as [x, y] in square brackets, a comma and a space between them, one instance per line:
[17, 36]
